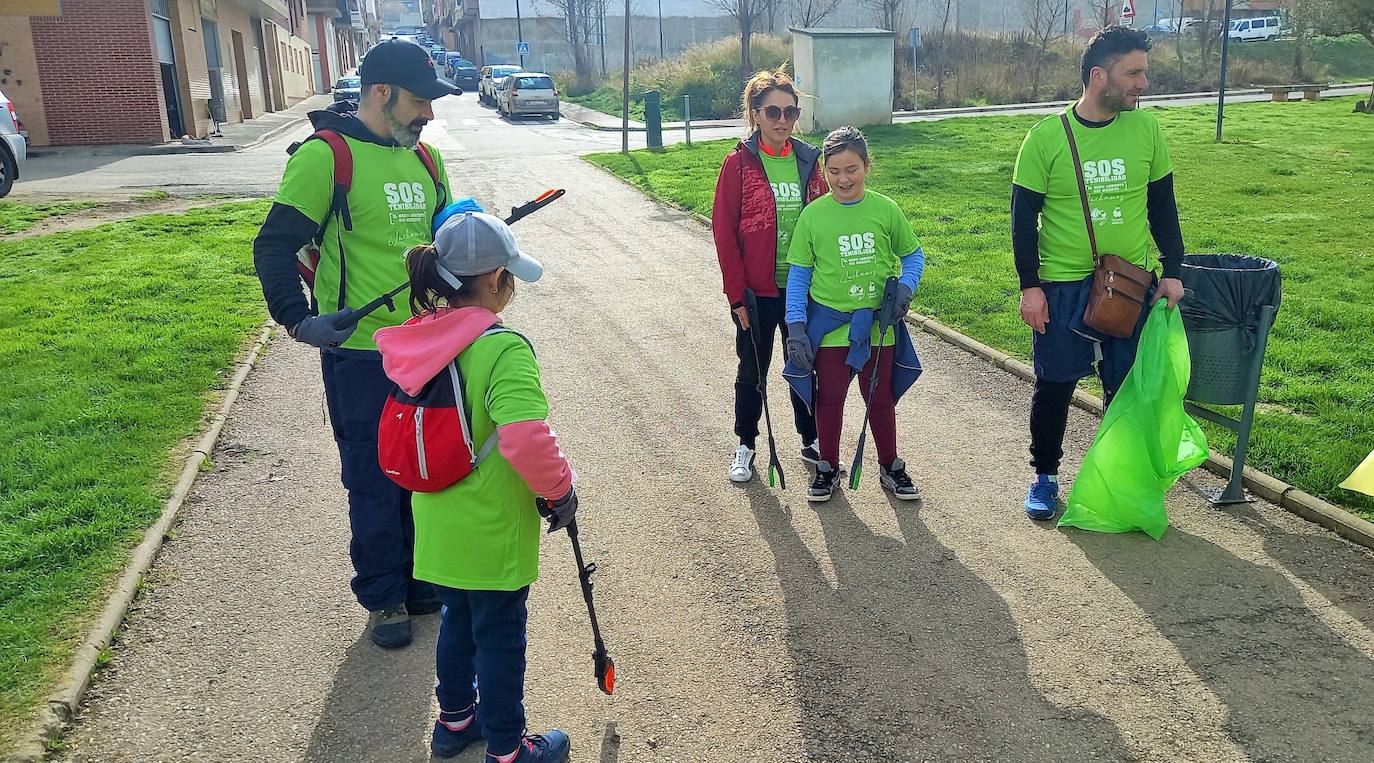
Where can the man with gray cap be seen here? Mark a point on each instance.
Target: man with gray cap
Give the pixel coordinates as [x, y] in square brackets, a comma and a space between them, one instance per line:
[355, 196]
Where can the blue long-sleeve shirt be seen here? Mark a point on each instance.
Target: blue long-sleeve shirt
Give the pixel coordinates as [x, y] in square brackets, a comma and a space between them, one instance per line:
[799, 283]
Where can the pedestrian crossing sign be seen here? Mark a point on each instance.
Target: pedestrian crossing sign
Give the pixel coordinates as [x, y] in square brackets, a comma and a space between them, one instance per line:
[522, 48]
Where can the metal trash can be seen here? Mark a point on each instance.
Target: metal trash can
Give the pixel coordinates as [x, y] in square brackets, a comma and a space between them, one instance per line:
[1230, 306]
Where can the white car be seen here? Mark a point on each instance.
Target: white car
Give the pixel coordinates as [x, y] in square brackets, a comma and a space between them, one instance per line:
[14, 145]
[491, 75]
[1263, 28]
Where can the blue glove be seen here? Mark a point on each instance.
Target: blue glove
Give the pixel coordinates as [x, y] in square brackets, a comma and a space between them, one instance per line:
[324, 330]
[799, 347]
[560, 512]
[465, 204]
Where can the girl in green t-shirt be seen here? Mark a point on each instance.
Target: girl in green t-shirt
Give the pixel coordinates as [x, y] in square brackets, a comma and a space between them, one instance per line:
[477, 540]
[846, 246]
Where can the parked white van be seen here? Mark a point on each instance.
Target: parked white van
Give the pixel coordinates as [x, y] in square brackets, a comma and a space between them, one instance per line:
[1262, 28]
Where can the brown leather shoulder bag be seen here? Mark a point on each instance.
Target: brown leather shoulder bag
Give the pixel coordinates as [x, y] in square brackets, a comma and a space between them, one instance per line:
[1119, 286]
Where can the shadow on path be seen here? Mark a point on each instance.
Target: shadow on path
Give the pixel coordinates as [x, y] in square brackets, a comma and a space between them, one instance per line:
[911, 655]
[1294, 690]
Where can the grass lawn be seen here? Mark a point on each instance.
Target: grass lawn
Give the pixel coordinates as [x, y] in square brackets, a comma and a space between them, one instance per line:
[1282, 186]
[16, 216]
[112, 341]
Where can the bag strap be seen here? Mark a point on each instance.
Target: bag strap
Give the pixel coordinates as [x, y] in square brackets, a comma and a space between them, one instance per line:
[1082, 187]
[440, 195]
[457, 376]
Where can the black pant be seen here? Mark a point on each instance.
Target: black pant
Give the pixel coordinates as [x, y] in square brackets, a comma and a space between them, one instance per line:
[748, 400]
[383, 532]
[1049, 417]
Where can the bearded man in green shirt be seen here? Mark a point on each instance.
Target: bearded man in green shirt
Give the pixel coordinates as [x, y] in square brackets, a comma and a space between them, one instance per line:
[1130, 189]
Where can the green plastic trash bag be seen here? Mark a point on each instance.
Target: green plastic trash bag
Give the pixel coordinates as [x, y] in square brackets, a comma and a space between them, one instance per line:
[1146, 441]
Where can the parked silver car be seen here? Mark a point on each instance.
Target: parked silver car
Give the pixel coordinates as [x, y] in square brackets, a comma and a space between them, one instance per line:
[14, 145]
[527, 93]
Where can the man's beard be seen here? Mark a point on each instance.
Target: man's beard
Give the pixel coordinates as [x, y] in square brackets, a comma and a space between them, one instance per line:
[1117, 101]
[407, 135]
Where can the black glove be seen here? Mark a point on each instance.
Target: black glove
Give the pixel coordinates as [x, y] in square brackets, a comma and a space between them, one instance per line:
[799, 350]
[323, 330]
[900, 306]
[560, 512]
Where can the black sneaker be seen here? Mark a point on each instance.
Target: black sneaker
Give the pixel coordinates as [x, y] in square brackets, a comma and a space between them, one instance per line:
[824, 485]
[811, 454]
[895, 481]
[391, 627]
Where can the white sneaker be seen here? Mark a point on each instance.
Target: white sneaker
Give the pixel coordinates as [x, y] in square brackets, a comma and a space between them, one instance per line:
[742, 468]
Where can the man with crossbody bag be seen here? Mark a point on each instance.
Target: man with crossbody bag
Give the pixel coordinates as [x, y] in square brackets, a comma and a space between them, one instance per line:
[1091, 186]
[353, 198]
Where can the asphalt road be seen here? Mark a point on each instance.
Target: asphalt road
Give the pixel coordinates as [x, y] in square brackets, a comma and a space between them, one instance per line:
[747, 624]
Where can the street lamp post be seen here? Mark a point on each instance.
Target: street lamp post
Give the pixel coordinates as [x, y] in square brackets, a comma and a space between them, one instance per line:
[1225, 45]
[660, 30]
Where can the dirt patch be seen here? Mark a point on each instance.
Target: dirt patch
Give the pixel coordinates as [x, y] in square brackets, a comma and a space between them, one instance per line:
[115, 211]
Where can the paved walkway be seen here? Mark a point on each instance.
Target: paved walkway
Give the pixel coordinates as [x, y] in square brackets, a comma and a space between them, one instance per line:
[748, 625]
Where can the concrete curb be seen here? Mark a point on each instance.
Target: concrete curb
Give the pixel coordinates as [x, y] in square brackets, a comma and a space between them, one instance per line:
[62, 704]
[1266, 486]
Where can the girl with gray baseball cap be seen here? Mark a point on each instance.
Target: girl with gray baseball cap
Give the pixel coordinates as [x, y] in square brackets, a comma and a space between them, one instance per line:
[477, 541]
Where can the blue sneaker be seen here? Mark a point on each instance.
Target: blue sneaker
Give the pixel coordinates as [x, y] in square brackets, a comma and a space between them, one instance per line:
[1042, 500]
[552, 746]
[448, 743]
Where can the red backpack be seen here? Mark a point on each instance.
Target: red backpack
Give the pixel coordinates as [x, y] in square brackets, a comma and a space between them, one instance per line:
[424, 442]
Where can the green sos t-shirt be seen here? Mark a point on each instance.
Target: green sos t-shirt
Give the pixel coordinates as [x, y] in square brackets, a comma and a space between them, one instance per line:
[483, 532]
[785, 179]
[1119, 161]
[392, 204]
[853, 249]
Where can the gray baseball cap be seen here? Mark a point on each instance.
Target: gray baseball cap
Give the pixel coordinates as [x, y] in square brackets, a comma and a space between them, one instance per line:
[475, 243]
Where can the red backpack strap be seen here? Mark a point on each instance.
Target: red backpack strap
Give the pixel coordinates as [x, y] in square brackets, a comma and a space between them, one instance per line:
[433, 169]
[343, 178]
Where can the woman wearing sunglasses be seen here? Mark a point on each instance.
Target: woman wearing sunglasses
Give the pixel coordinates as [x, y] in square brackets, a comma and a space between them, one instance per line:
[763, 185]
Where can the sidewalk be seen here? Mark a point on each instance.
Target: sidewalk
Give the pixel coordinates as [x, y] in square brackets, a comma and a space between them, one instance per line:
[234, 137]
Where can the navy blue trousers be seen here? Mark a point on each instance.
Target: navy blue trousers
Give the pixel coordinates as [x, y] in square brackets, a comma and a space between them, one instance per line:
[482, 643]
[383, 532]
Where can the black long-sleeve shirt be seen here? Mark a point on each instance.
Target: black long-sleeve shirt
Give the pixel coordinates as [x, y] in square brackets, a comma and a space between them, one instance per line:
[1161, 209]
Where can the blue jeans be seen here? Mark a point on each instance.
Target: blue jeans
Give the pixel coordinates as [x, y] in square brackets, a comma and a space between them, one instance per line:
[383, 532]
[482, 642]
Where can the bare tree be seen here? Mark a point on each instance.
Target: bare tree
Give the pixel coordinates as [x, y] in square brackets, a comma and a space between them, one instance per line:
[1045, 18]
[890, 14]
[944, 10]
[746, 14]
[582, 20]
[810, 13]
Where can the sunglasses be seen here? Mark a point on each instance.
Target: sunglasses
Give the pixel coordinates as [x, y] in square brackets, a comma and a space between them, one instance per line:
[791, 113]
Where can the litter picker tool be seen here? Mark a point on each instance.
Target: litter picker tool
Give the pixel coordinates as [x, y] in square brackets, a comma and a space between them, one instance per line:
[546, 198]
[601, 660]
[885, 309]
[775, 475]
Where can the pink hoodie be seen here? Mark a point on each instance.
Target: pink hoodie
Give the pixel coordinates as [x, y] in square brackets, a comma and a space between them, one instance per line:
[414, 353]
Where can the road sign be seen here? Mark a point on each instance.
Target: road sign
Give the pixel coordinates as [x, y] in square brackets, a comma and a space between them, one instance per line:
[522, 48]
[1128, 9]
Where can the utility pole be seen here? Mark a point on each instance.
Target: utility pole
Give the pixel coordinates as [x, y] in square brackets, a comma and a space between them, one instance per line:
[625, 94]
[660, 30]
[519, 34]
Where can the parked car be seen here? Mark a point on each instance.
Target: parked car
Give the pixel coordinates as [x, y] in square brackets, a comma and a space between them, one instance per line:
[438, 55]
[486, 85]
[14, 145]
[462, 72]
[527, 93]
[1262, 28]
[348, 89]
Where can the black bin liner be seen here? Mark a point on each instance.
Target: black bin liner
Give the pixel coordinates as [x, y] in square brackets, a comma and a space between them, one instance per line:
[1227, 290]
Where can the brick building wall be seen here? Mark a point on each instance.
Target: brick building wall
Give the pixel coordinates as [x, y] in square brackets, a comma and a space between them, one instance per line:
[81, 104]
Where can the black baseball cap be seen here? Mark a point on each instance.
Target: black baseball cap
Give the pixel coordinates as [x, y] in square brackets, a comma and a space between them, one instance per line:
[407, 65]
